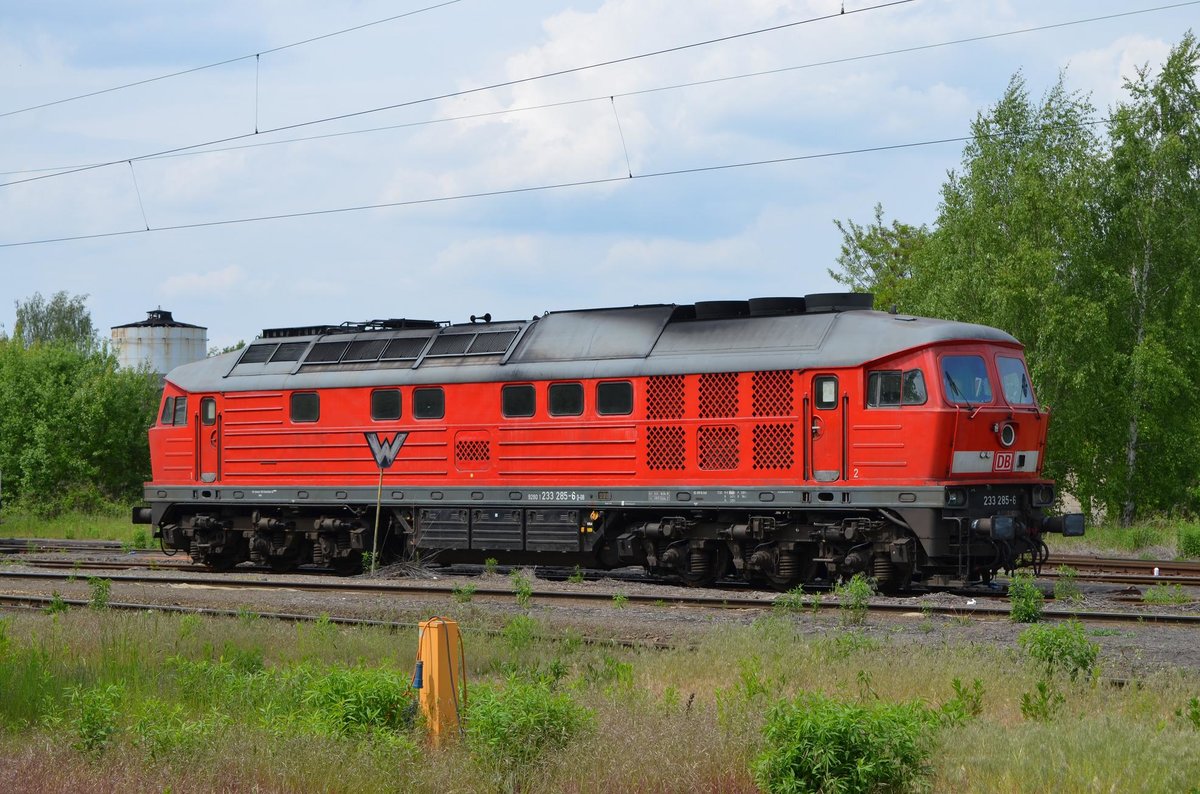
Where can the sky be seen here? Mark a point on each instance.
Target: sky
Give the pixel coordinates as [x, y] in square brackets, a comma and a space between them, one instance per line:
[659, 218]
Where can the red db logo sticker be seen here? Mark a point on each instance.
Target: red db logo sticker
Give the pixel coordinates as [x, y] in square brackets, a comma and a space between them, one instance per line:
[1003, 461]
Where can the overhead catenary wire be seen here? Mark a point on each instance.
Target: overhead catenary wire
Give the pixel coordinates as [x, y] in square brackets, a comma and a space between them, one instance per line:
[227, 61]
[474, 90]
[199, 149]
[517, 190]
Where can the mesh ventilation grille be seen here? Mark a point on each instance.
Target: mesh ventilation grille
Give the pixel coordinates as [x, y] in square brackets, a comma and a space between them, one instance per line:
[772, 393]
[664, 397]
[472, 451]
[774, 446]
[718, 447]
[719, 395]
[665, 448]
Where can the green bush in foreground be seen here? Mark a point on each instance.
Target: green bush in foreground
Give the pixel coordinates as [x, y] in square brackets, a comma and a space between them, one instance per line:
[1166, 594]
[510, 728]
[854, 597]
[818, 744]
[1025, 598]
[1064, 648]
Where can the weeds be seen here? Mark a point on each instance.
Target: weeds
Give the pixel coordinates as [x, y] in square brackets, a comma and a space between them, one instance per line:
[520, 631]
[57, 605]
[522, 589]
[1064, 648]
[966, 704]
[1187, 545]
[94, 714]
[100, 589]
[1191, 713]
[1042, 704]
[1066, 587]
[576, 577]
[463, 593]
[1165, 595]
[141, 539]
[490, 565]
[1025, 598]
[854, 597]
[815, 743]
[510, 729]
[620, 600]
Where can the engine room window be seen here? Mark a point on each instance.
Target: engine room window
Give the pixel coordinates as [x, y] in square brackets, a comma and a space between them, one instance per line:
[208, 411]
[385, 404]
[914, 387]
[517, 400]
[566, 399]
[180, 411]
[883, 389]
[825, 392]
[965, 380]
[168, 412]
[306, 407]
[429, 403]
[1014, 380]
[614, 398]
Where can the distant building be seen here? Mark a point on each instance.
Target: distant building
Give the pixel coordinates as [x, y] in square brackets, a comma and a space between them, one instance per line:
[160, 341]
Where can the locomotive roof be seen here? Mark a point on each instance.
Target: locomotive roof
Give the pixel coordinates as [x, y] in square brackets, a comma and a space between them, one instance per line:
[589, 343]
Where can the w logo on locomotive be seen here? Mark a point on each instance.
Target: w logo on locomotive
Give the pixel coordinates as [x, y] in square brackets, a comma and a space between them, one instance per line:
[385, 452]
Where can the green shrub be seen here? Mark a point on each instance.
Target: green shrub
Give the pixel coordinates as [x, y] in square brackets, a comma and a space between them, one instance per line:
[141, 539]
[576, 576]
[1066, 587]
[163, 733]
[620, 600]
[100, 589]
[520, 631]
[1166, 594]
[854, 597]
[490, 565]
[1025, 598]
[1191, 713]
[463, 593]
[57, 604]
[1064, 648]
[93, 716]
[522, 588]
[818, 744]
[1042, 704]
[510, 728]
[1188, 543]
[351, 700]
[966, 703]
[1141, 536]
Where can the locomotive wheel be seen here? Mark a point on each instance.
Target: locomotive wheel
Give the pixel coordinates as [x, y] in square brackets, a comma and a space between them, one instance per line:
[782, 581]
[705, 566]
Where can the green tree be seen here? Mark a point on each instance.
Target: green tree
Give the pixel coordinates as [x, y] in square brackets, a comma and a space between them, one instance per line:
[63, 319]
[1151, 213]
[878, 257]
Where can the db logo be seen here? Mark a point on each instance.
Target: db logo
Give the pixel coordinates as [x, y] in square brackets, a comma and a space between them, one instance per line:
[1003, 461]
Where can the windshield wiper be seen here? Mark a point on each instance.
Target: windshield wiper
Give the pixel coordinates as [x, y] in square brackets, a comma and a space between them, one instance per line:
[958, 391]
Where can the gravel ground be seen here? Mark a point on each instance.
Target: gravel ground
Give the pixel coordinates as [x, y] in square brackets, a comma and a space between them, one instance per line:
[1128, 650]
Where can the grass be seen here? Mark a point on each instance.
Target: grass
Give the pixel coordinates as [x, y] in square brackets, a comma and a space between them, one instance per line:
[76, 526]
[144, 701]
[1151, 538]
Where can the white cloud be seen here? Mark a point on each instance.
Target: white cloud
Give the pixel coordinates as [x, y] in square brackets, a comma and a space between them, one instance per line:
[213, 283]
[1104, 71]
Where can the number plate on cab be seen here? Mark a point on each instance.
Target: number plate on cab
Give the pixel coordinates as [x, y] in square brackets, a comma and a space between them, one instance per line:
[991, 499]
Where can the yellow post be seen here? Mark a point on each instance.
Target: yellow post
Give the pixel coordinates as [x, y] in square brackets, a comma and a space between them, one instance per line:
[443, 691]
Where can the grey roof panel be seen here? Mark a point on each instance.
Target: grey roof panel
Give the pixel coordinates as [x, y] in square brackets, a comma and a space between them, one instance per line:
[633, 342]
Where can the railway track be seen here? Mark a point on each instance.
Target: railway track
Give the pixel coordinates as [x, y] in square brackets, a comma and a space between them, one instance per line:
[1120, 570]
[707, 600]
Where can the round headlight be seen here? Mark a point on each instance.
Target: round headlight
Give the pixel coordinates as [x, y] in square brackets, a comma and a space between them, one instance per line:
[1008, 434]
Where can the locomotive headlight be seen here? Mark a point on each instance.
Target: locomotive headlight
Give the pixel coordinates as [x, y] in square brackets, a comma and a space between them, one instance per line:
[1008, 434]
[956, 497]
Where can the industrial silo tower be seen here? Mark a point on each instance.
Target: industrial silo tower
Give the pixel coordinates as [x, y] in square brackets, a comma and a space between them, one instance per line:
[160, 341]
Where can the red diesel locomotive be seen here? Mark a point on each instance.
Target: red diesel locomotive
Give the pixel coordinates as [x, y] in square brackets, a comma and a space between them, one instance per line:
[777, 439]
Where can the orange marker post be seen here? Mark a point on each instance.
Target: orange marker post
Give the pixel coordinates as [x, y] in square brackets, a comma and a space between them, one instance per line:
[443, 693]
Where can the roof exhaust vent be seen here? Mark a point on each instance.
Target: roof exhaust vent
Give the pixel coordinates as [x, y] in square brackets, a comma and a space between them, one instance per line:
[771, 307]
[839, 301]
[721, 310]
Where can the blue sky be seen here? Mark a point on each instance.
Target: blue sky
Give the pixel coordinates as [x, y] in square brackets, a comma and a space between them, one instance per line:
[735, 233]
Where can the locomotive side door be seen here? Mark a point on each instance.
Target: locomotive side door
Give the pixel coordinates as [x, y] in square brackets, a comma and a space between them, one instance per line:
[208, 441]
[826, 430]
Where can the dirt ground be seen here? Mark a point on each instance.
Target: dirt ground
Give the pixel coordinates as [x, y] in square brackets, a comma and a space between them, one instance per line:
[1129, 650]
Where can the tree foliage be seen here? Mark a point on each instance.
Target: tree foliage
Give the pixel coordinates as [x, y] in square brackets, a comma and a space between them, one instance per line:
[72, 425]
[64, 319]
[1079, 238]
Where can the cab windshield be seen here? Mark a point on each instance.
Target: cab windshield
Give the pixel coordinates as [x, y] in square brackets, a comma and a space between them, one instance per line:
[1014, 380]
[965, 380]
